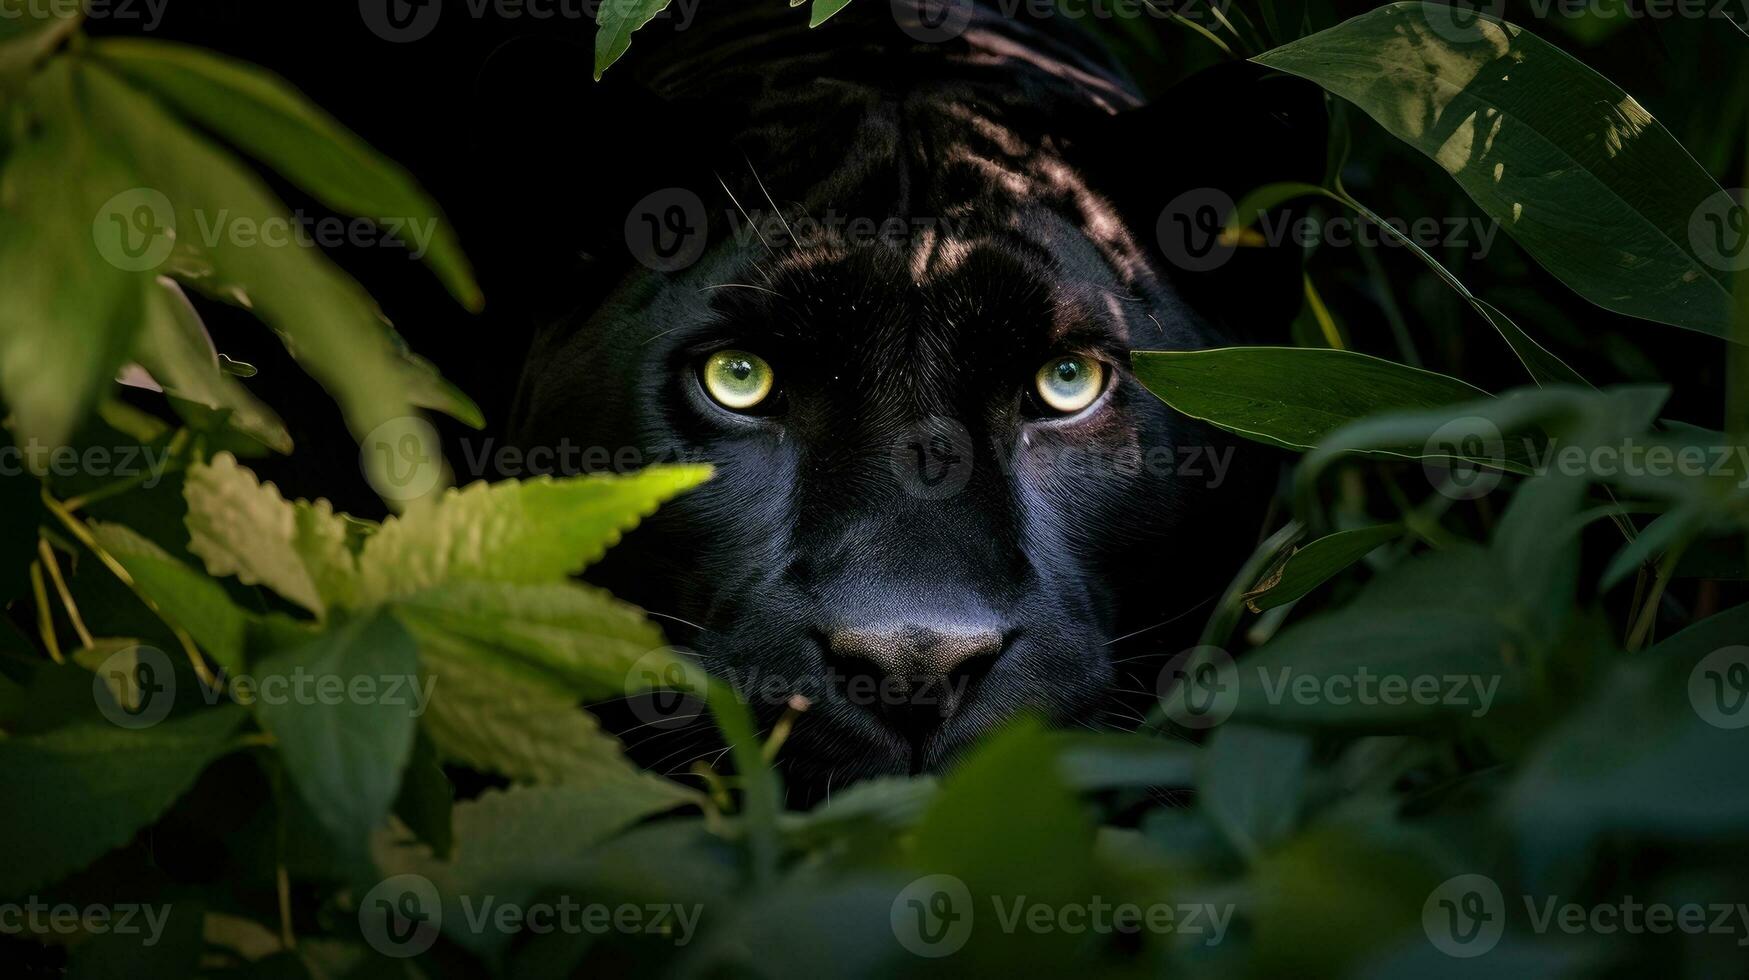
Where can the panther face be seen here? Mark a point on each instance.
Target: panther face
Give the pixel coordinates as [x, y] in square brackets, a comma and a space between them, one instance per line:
[941, 497]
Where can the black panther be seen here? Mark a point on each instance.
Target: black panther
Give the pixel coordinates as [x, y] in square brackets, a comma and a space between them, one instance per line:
[885, 276]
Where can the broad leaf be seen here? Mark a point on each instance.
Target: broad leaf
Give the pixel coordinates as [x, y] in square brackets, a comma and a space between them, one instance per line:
[1317, 563]
[1576, 171]
[68, 312]
[343, 710]
[183, 596]
[240, 526]
[1249, 784]
[73, 794]
[217, 232]
[1288, 396]
[530, 532]
[267, 118]
[177, 352]
[825, 10]
[615, 21]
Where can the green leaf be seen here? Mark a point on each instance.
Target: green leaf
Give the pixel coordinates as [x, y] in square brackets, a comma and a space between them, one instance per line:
[70, 315]
[242, 527]
[212, 218]
[1580, 174]
[76, 793]
[490, 718]
[1249, 783]
[615, 21]
[825, 10]
[176, 351]
[28, 34]
[1290, 397]
[184, 597]
[575, 637]
[268, 119]
[427, 801]
[1098, 762]
[530, 532]
[1317, 563]
[343, 710]
[1442, 631]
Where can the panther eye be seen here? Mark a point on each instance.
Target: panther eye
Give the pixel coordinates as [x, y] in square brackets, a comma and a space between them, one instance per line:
[738, 380]
[1071, 383]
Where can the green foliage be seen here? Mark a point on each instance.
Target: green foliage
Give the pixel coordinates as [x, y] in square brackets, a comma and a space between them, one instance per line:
[1444, 667]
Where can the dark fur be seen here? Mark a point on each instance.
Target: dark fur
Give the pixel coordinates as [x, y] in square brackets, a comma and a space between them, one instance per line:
[1029, 149]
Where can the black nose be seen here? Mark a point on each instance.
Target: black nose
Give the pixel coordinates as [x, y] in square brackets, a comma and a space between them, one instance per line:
[913, 675]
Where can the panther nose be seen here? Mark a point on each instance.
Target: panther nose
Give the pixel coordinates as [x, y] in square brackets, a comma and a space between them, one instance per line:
[914, 675]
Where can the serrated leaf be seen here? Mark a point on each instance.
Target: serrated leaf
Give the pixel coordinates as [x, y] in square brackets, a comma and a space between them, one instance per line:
[345, 751]
[1290, 397]
[265, 117]
[183, 596]
[242, 527]
[530, 532]
[73, 794]
[177, 352]
[1579, 173]
[615, 21]
[578, 638]
[491, 719]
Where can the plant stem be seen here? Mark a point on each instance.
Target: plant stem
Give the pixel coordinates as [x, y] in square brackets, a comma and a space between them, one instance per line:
[45, 616]
[54, 570]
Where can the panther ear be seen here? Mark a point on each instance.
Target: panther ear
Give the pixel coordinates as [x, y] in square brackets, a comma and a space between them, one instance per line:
[1176, 167]
[571, 158]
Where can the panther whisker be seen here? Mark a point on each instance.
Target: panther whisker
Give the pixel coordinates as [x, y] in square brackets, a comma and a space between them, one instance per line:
[1205, 601]
[741, 285]
[750, 222]
[768, 199]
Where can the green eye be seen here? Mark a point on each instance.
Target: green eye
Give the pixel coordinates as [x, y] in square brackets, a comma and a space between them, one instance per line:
[1070, 384]
[737, 379]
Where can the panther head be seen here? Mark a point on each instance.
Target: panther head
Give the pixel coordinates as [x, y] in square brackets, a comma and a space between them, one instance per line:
[889, 290]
